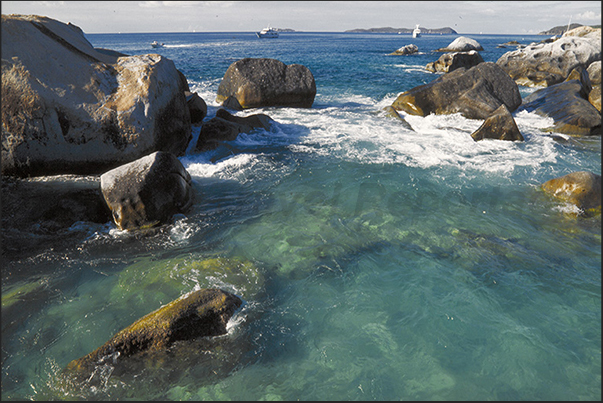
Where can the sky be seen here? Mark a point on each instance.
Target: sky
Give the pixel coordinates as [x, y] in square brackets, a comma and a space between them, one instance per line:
[465, 17]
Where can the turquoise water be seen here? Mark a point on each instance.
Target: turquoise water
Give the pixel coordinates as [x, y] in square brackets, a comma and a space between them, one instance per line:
[375, 262]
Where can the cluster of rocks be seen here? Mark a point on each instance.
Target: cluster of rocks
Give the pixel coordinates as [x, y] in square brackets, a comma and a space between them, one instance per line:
[68, 108]
[569, 69]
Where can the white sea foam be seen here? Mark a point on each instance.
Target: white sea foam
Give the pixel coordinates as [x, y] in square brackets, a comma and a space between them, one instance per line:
[199, 166]
[350, 127]
[354, 133]
[193, 45]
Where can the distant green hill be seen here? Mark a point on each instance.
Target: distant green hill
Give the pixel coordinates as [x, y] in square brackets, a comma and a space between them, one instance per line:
[562, 28]
[390, 30]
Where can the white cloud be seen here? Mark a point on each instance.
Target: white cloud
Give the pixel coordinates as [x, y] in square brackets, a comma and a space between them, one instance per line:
[49, 3]
[150, 4]
[589, 16]
[180, 4]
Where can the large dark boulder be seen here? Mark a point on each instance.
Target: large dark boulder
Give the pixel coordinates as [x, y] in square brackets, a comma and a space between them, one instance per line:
[68, 108]
[581, 189]
[449, 62]
[196, 107]
[257, 83]
[147, 192]
[546, 64]
[475, 93]
[567, 104]
[201, 313]
[227, 127]
[499, 126]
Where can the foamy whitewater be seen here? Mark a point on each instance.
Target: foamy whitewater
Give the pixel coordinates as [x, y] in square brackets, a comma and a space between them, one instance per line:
[376, 262]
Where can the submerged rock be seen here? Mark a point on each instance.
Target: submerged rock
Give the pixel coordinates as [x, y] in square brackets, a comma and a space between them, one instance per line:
[582, 189]
[257, 83]
[227, 127]
[202, 313]
[150, 280]
[68, 108]
[475, 93]
[147, 192]
[451, 61]
[499, 126]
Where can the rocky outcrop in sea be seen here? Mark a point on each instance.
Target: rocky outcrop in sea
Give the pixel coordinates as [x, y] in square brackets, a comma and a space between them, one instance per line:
[581, 189]
[567, 103]
[201, 313]
[148, 191]
[259, 82]
[406, 50]
[462, 44]
[475, 93]
[451, 61]
[68, 108]
[545, 64]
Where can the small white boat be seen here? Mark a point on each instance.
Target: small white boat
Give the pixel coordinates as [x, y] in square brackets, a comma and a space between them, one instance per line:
[267, 33]
[156, 44]
[416, 32]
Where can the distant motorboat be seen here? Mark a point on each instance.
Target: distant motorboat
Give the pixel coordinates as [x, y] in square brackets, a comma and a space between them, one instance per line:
[267, 33]
[416, 32]
[156, 44]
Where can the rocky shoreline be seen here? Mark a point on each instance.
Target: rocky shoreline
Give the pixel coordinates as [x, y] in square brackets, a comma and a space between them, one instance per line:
[115, 124]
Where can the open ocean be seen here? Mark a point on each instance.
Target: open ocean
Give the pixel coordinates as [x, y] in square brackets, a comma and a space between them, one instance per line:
[375, 262]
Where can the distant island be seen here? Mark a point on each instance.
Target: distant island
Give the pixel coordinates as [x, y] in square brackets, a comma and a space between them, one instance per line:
[562, 28]
[284, 29]
[390, 30]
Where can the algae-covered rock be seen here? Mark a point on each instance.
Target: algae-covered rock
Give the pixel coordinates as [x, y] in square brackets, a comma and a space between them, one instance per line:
[200, 313]
[582, 189]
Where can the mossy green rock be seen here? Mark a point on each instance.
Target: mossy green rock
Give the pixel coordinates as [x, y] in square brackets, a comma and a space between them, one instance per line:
[582, 189]
[200, 313]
